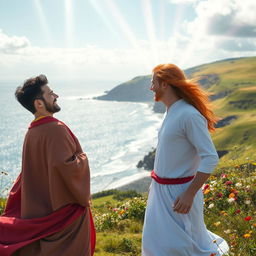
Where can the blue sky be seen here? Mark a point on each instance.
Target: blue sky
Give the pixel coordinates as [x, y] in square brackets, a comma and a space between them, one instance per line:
[115, 40]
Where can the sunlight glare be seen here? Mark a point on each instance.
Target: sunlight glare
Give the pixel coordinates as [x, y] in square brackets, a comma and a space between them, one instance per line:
[43, 22]
[150, 26]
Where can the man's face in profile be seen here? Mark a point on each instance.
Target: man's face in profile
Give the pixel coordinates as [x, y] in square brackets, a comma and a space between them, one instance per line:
[156, 88]
[50, 99]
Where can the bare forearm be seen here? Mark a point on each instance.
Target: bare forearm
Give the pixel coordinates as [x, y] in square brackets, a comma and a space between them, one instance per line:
[198, 181]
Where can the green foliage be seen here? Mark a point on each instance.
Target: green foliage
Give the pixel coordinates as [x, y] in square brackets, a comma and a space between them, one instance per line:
[117, 194]
[121, 195]
[104, 193]
[121, 246]
[132, 209]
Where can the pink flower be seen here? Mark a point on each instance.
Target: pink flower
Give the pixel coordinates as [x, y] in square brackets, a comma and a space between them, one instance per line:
[223, 175]
[229, 182]
[219, 194]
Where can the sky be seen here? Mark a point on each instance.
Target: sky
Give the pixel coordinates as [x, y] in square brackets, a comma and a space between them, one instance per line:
[106, 42]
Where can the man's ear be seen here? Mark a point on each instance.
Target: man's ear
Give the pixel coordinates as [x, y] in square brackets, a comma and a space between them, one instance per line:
[164, 84]
[38, 104]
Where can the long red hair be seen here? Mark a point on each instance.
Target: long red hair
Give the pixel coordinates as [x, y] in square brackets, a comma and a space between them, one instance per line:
[191, 92]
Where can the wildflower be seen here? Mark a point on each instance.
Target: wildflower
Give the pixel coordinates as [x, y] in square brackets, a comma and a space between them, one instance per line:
[234, 191]
[231, 200]
[211, 206]
[238, 184]
[206, 186]
[223, 213]
[206, 191]
[248, 218]
[231, 195]
[219, 195]
[223, 175]
[247, 201]
[254, 224]
[237, 211]
[247, 235]
[216, 223]
[228, 231]
[229, 182]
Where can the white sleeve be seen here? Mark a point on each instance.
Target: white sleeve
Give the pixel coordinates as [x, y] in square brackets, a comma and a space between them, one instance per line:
[196, 130]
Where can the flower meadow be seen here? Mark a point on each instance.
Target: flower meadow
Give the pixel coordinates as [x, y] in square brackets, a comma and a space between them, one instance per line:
[230, 211]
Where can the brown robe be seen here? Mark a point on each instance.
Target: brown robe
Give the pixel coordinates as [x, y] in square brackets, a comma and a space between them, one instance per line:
[55, 172]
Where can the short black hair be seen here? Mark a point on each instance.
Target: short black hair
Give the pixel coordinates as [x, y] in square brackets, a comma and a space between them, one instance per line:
[30, 91]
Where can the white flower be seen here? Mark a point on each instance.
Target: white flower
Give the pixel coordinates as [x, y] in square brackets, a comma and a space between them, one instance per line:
[210, 205]
[228, 231]
[231, 200]
[238, 184]
[247, 201]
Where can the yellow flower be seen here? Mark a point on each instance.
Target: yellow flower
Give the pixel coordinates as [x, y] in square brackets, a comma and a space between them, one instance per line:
[223, 213]
[247, 235]
[207, 191]
[216, 223]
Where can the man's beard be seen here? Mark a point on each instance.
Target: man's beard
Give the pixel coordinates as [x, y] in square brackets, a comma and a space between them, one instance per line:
[158, 95]
[52, 109]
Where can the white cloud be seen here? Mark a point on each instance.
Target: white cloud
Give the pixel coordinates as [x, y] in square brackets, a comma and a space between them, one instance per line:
[233, 18]
[12, 44]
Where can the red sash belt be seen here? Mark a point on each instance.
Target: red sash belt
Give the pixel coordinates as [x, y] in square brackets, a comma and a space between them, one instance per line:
[168, 181]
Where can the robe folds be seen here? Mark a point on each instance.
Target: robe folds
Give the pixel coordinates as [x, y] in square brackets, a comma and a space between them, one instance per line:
[47, 212]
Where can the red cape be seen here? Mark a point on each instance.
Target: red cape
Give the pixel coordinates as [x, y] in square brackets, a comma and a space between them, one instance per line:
[15, 232]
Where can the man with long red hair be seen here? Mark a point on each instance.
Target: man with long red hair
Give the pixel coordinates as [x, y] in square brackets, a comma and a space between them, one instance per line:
[185, 157]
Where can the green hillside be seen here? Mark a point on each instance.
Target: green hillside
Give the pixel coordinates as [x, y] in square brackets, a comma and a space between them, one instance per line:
[235, 91]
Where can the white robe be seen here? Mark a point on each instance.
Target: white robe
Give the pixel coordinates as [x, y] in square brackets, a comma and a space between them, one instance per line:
[184, 147]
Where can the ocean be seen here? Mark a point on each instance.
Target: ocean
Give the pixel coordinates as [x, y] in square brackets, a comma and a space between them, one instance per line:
[114, 135]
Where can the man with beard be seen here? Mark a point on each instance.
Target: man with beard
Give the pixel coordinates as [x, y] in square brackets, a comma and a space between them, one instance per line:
[185, 157]
[47, 211]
